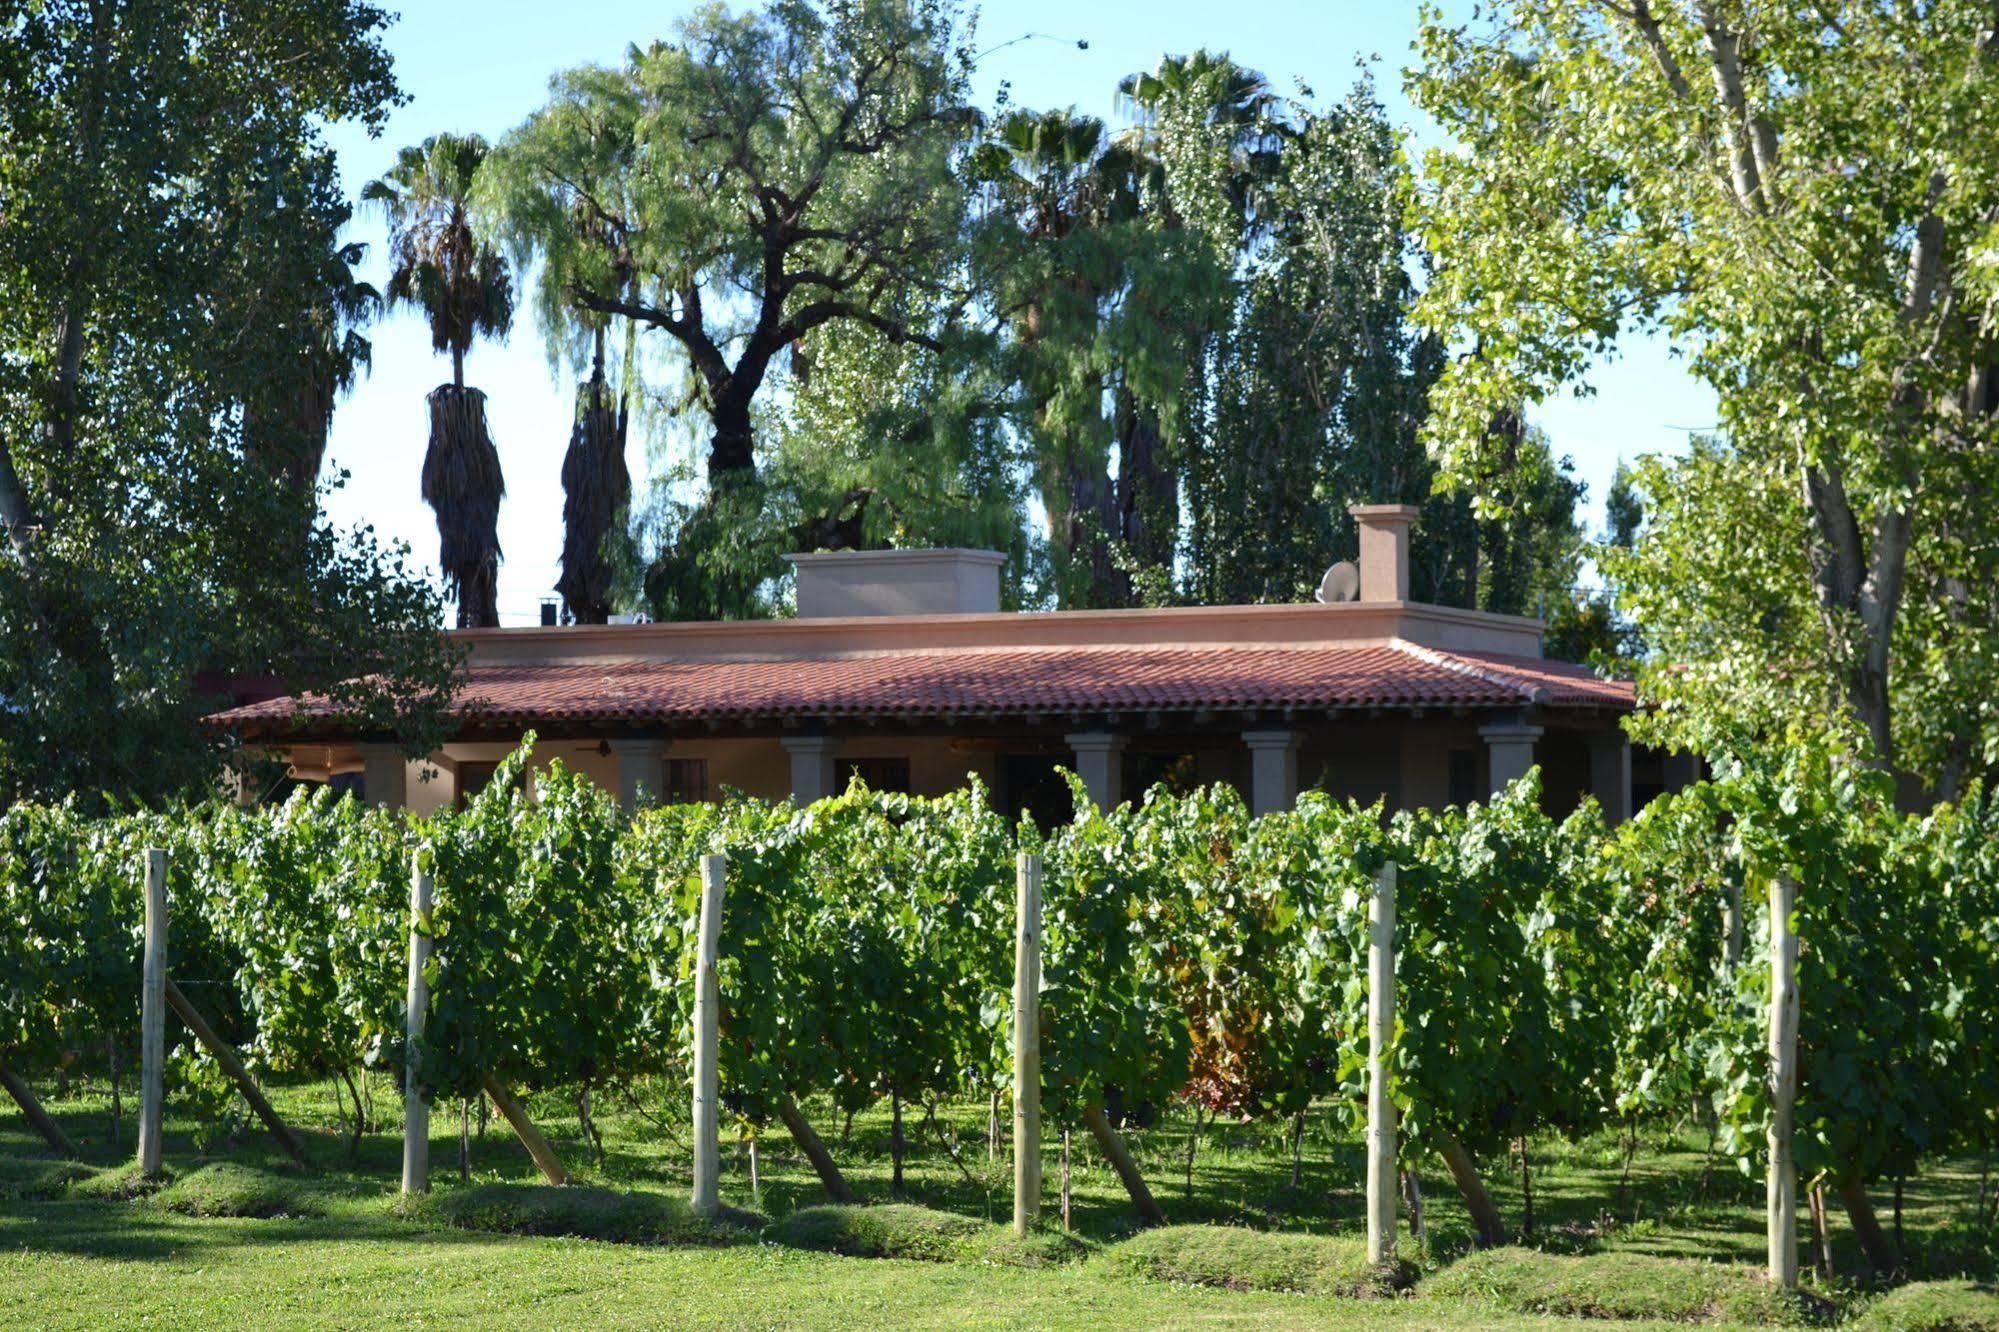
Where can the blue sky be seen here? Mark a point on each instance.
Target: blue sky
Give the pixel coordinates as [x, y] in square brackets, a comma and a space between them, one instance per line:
[484, 66]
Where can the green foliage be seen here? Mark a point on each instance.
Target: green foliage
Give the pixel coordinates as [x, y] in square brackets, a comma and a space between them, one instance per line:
[1552, 976]
[762, 181]
[178, 310]
[1688, 169]
[534, 977]
[1503, 988]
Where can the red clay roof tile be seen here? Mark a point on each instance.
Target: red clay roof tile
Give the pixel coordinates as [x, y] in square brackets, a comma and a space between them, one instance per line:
[919, 684]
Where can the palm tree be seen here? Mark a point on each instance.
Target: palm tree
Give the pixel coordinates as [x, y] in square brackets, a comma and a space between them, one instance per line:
[1061, 191]
[597, 486]
[463, 288]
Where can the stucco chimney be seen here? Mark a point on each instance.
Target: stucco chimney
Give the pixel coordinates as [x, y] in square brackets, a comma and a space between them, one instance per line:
[898, 582]
[1384, 550]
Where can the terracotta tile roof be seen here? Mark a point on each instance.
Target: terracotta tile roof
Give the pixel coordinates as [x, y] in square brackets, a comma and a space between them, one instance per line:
[918, 684]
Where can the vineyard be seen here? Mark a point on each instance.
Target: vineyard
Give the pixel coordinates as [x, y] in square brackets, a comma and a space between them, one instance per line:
[1555, 981]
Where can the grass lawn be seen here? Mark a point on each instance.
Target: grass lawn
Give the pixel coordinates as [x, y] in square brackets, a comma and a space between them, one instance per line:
[240, 1236]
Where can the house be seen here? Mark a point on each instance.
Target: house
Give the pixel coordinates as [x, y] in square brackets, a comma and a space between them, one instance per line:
[901, 668]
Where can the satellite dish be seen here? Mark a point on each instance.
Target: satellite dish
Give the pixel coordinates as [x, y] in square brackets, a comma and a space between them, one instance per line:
[1341, 583]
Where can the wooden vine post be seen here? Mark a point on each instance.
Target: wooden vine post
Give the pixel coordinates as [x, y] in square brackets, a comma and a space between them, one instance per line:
[153, 1015]
[416, 1112]
[40, 1118]
[707, 1040]
[1783, 1179]
[1380, 1032]
[246, 1086]
[1027, 1043]
[531, 1137]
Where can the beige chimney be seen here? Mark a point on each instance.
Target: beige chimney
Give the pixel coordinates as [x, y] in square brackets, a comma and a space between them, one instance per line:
[898, 582]
[1384, 550]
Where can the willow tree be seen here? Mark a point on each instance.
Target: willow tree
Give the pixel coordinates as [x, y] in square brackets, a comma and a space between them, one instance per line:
[778, 171]
[461, 285]
[1803, 196]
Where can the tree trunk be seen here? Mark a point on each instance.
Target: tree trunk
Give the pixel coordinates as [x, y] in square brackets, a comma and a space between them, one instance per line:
[895, 1140]
[463, 485]
[1148, 490]
[1874, 1245]
[1485, 1217]
[1111, 1144]
[815, 1151]
[1412, 1198]
[596, 488]
[1091, 527]
[38, 1117]
[15, 514]
[732, 441]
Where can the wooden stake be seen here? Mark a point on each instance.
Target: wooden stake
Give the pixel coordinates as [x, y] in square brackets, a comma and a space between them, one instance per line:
[1821, 1235]
[1781, 1185]
[44, 1124]
[1731, 925]
[524, 1129]
[1027, 1043]
[1380, 1032]
[153, 1015]
[707, 1041]
[1112, 1146]
[1412, 1198]
[1464, 1173]
[416, 1111]
[1065, 1181]
[809, 1142]
[233, 1066]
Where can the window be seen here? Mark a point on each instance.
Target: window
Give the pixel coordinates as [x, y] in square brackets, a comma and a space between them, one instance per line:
[877, 774]
[474, 778]
[686, 781]
[1464, 776]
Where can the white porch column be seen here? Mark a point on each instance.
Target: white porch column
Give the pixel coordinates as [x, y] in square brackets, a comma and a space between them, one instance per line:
[1100, 763]
[384, 775]
[811, 766]
[1273, 770]
[641, 771]
[1509, 749]
[1610, 774]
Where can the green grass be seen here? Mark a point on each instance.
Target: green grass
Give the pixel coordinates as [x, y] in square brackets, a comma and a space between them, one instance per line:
[1631, 1286]
[921, 1234]
[228, 1189]
[90, 1243]
[1936, 1306]
[1237, 1259]
[582, 1212]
